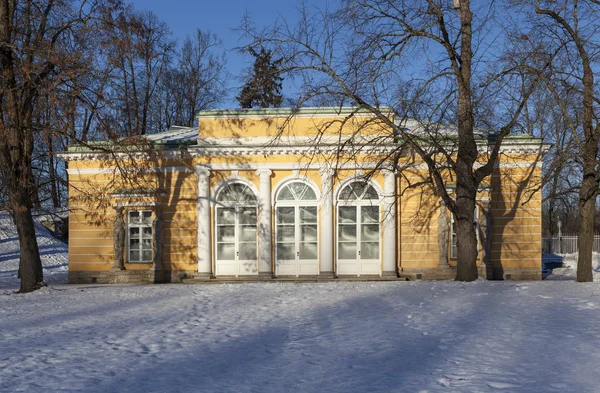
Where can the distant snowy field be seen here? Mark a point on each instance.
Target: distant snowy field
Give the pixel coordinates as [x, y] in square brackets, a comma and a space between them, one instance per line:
[483, 336]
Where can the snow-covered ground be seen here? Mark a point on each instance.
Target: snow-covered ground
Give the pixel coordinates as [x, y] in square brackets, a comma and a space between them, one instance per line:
[568, 270]
[285, 337]
[53, 253]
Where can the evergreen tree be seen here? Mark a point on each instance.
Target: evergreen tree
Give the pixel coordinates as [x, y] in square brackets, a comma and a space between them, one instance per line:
[263, 88]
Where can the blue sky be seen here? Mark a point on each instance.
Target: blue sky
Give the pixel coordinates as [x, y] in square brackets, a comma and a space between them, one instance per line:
[221, 17]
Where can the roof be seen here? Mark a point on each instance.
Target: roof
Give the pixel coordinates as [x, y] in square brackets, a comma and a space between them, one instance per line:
[176, 135]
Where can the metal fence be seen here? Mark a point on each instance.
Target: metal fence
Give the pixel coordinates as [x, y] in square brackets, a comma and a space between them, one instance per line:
[565, 244]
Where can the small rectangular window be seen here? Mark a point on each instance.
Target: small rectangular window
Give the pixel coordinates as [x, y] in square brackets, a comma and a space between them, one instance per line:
[139, 233]
[453, 248]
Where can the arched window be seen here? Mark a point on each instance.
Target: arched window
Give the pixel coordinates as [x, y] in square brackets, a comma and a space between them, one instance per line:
[296, 216]
[358, 229]
[236, 230]
[358, 191]
[296, 191]
[236, 194]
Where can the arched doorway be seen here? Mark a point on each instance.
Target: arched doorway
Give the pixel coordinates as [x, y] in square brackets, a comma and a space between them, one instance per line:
[358, 230]
[296, 232]
[236, 230]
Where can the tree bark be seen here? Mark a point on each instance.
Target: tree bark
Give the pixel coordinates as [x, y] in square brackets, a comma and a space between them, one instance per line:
[30, 264]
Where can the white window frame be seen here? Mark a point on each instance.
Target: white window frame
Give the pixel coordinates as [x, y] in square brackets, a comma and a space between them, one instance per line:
[296, 204]
[140, 227]
[452, 240]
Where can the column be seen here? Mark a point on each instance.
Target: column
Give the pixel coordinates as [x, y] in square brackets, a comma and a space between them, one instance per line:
[266, 244]
[443, 222]
[389, 221]
[326, 234]
[204, 249]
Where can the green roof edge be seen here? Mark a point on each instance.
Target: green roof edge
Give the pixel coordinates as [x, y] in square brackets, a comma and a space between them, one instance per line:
[329, 110]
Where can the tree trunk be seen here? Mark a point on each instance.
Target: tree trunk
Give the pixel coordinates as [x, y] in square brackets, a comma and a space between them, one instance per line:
[587, 210]
[30, 264]
[466, 239]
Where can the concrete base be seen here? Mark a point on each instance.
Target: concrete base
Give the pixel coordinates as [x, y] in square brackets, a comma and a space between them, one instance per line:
[116, 277]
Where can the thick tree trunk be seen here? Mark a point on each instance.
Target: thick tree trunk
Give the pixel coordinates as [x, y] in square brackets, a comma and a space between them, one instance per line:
[587, 210]
[466, 237]
[30, 265]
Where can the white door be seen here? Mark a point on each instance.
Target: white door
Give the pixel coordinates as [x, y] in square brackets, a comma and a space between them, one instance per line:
[358, 240]
[236, 245]
[297, 241]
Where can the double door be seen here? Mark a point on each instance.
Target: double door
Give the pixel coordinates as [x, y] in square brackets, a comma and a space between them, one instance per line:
[236, 241]
[358, 240]
[297, 241]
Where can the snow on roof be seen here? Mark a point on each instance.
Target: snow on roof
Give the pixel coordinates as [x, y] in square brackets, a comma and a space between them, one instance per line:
[175, 135]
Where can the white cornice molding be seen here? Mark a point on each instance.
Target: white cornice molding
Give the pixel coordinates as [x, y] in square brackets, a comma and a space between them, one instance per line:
[289, 166]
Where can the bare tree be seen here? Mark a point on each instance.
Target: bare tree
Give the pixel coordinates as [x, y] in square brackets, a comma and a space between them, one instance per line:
[574, 28]
[33, 49]
[428, 61]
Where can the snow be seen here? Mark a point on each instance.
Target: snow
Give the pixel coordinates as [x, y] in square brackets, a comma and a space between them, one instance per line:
[52, 251]
[303, 337]
[294, 337]
[568, 271]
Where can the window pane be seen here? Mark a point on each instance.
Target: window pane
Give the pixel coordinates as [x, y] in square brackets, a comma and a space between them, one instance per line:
[134, 233]
[358, 188]
[308, 214]
[134, 243]
[147, 233]
[309, 194]
[225, 233]
[147, 244]
[286, 233]
[298, 189]
[134, 256]
[286, 251]
[370, 193]
[370, 232]
[285, 215]
[347, 250]
[248, 233]
[369, 250]
[248, 251]
[285, 194]
[347, 233]
[347, 214]
[347, 194]
[225, 251]
[134, 218]
[225, 216]
[308, 251]
[147, 256]
[369, 214]
[248, 215]
[147, 217]
[309, 233]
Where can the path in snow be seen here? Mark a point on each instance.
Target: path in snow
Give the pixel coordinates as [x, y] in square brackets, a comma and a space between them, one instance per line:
[52, 251]
[286, 337]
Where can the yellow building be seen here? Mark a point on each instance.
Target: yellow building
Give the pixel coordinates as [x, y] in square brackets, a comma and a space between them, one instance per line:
[274, 193]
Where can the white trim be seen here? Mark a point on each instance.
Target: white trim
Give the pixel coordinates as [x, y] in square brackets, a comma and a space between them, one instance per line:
[286, 115]
[284, 166]
[98, 171]
[134, 204]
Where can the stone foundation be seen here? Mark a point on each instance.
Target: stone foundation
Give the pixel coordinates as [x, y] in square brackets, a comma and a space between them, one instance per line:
[485, 272]
[149, 276]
